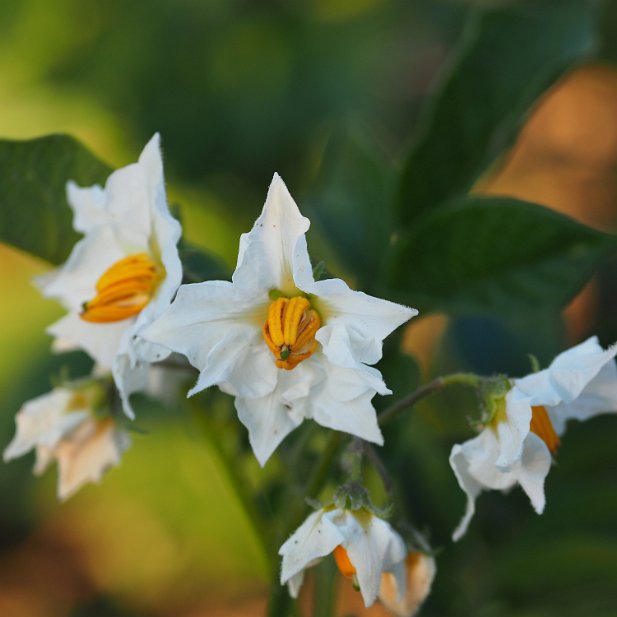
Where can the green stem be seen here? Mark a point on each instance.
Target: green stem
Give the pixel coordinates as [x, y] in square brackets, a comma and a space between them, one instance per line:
[390, 413]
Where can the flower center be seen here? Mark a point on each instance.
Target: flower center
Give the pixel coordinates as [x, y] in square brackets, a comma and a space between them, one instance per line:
[124, 289]
[342, 561]
[542, 426]
[290, 331]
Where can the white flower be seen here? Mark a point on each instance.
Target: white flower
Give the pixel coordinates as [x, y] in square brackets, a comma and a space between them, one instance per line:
[363, 545]
[517, 445]
[122, 274]
[286, 346]
[418, 571]
[61, 427]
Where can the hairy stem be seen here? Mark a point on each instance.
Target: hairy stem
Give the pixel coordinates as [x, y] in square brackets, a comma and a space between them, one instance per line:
[392, 412]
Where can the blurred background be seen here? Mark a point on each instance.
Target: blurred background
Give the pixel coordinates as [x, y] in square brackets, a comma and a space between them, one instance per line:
[239, 90]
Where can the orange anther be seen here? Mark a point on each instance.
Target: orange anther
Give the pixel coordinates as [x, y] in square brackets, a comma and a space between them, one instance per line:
[542, 426]
[124, 289]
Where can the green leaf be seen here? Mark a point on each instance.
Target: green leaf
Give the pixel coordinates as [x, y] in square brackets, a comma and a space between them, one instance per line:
[199, 265]
[35, 215]
[496, 254]
[507, 58]
[350, 205]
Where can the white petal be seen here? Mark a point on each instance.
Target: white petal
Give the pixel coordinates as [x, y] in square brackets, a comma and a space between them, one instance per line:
[43, 421]
[271, 418]
[534, 467]
[347, 347]
[214, 325]
[274, 251]
[372, 549]
[295, 584]
[599, 396]
[100, 341]
[129, 378]
[513, 430]
[568, 375]
[75, 282]
[471, 487]
[356, 417]
[88, 205]
[355, 310]
[87, 453]
[342, 401]
[317, 537]
[474, 464]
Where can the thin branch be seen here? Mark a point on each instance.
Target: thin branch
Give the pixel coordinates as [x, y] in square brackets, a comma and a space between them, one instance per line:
[390, 413]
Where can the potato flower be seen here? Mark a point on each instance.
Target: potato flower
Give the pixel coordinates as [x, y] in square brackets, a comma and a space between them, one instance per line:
[517, 443]
[62, 426]
[363, 545]
[285, 346]
[121, 274]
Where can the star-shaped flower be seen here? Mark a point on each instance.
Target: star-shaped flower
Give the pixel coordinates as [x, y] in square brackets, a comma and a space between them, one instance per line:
[61, 426]
[363, 545]
[122, 274]
[517, 444]
[286, 346]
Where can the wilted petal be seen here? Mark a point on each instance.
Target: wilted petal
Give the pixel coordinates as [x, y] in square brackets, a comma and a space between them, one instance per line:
[87, 453]
[418, 571]
[44, 421]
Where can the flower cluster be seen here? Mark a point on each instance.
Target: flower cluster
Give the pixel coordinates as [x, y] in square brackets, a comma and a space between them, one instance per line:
[287, 347]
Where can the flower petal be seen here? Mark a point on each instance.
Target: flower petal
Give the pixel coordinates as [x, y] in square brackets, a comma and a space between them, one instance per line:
[275, 249]
[84, 457]
[213, 325]
[373, 549]
[356, 416]
[514, 428]
[475, 468]
[100, 341]
[271, 418]
[568, 374]
[599, 396]
[44, 421]
[358, 311]
[317, 537]
[74, 283]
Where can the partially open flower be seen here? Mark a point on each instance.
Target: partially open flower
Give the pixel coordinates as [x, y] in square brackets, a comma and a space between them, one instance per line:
[363, 545]
[419, 571]
[286, 346]
[62, 426]
[517, 444]
[122, 274]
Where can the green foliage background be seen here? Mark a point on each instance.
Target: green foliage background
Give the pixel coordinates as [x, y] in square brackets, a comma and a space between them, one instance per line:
[380, 116]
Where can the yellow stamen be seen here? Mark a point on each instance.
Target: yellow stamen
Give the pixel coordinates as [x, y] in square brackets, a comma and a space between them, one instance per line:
[290, 331]
[342, 561]
[542, 426]
[124, 289]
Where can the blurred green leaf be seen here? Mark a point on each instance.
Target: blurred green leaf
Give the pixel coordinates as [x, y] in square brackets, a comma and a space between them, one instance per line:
[35, 216]
[507, 58]
[351, 204]
[496, 254]
[199, 265]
